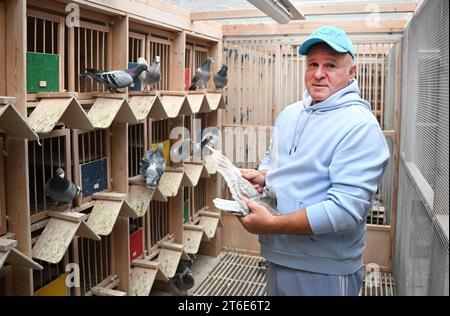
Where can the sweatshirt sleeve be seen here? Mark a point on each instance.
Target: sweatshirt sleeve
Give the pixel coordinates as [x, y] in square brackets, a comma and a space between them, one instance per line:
[357, 164]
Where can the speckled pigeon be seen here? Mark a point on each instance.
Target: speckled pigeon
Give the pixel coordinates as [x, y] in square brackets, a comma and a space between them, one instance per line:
[220, 78]
[115, 79]
[202, 75]
[153, 74]
[240, 187]
[152, 166]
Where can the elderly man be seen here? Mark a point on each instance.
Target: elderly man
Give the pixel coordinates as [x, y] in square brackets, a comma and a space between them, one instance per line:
[325, 167]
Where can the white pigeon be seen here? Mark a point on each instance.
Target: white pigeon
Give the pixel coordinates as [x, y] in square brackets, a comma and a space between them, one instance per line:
[239, 188]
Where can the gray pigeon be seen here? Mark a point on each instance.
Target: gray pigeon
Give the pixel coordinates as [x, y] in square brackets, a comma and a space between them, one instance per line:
[240, 187]
[152, 166]
[202, 75]
[153, 74]
[180, 151]
[183, 279]
[220, 78]
[60, 189]
[115, 79]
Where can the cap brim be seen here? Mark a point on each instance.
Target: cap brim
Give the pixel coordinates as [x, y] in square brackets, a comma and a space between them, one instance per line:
[313, 41]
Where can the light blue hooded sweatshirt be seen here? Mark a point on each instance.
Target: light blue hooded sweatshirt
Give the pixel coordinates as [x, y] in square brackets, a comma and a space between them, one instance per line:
[328, 158]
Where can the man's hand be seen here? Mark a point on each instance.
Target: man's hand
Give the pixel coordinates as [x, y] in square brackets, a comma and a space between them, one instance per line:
[259, 221]
[254, 177]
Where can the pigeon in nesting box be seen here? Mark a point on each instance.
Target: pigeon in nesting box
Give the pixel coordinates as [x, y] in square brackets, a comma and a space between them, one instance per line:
[152, 166]
[59, 189]
[240, 187]
[115, 79]
[183, 279]
[152, 75]
[220, 78]
[202, 75]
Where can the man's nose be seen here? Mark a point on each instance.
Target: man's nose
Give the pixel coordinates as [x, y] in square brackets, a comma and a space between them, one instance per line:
[319, 74]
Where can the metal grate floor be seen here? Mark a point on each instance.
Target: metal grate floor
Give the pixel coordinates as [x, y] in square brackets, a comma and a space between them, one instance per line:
[235, 275]
[382, 284]
[240, 275]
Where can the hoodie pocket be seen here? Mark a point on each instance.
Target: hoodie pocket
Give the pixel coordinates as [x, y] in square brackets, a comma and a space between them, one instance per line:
[287, 204]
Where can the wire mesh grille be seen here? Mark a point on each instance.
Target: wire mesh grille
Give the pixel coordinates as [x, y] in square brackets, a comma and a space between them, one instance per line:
[421, 256]
[235, 275]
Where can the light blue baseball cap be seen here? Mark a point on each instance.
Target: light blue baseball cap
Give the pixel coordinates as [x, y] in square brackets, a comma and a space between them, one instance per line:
[334, 37]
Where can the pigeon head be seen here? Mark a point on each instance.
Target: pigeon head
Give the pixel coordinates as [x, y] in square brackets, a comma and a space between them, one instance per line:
[207, 63]
[160, 147]
[136, 71]
[60, 172]
[223, 70]
[142, 60]
[157, 59]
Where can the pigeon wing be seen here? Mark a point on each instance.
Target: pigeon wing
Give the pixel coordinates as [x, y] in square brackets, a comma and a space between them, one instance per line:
[239, 187]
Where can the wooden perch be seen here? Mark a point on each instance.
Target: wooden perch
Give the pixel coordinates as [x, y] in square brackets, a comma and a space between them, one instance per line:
[143, 274]
[192, 237]
[193, 171]
[107, 207]
[157, 195]
[215, 100]
[168, 258]
[14, 257]
[198, 103]
[101, 291]
[12, 123]
[210, 221]
[174, 105]
[105, 111]
[170, 183]
[58, 234]
[140, 198]
[142, 106]
[51, 111]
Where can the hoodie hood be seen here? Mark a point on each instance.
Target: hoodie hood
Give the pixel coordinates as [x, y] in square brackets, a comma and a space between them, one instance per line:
[348, 96]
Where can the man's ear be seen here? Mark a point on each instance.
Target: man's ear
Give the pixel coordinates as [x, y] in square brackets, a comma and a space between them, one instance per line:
[352, 72]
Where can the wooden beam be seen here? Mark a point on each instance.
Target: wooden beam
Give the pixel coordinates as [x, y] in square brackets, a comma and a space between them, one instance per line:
[16, 173]
[309, 9]
[176, 217]
[157, 12]
[306, 27]
[396, 149]
[2, 49]
[120, 237]
[178, 62]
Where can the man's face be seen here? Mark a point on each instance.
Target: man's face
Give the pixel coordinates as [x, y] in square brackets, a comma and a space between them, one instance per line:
[327, 71]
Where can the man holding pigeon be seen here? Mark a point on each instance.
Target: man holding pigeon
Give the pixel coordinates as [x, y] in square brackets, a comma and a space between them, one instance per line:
[324, 167]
